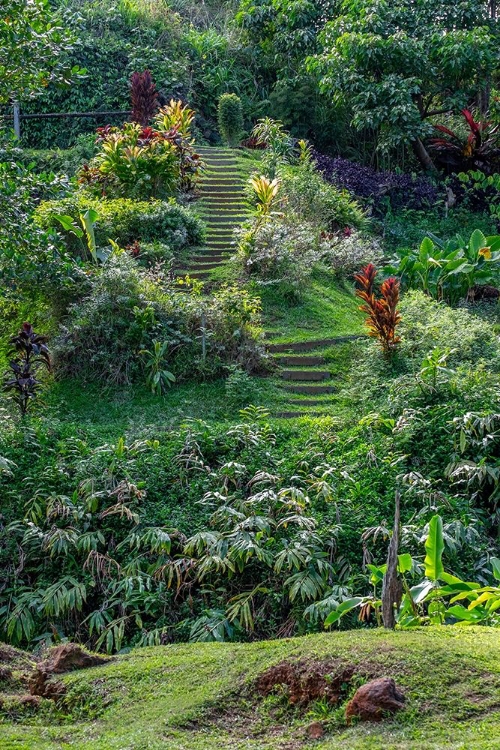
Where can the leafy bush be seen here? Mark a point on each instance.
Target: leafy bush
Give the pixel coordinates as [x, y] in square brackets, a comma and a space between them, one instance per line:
[240, 387]
[60, 161]
[279, 145]
[125, 220]
[312, 199]
[151, 253]
[126, 310]
[379, 189]
[297, 218]
[426, 324]
[97, 568]
[32, 262]
[477, 191]
[133, 162]
[230, 113]
[144, 162]
[119, 317]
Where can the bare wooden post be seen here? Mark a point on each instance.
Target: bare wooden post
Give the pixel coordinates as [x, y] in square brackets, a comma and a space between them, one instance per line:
[17, 120]
[392, 589]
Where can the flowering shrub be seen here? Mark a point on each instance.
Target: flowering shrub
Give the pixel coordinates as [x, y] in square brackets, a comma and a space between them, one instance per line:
[379, 188]
[478, 149]
[145, 162]
[349, 250]
[278, 251]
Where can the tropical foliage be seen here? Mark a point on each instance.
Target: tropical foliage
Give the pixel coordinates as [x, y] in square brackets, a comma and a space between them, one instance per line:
[450, 270]
[254, 173]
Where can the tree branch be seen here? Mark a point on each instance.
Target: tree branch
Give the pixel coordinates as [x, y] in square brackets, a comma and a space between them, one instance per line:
[438, 112]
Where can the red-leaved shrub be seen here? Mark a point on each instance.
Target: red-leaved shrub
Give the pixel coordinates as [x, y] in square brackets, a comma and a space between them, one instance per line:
[383, 316]
[144, 97]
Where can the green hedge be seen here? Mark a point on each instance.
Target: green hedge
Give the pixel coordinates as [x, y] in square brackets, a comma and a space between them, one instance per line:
[124, 220]
[59, 161]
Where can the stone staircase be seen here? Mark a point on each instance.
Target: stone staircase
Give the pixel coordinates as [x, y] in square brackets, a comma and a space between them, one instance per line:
[304, 375]
[222, 206]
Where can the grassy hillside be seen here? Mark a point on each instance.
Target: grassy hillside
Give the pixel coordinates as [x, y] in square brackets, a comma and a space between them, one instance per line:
[204, 696]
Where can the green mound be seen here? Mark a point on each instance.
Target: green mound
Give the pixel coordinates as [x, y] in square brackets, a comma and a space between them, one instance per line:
[209, 696]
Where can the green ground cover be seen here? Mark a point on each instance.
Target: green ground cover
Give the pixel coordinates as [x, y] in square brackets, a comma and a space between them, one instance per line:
[203, 696]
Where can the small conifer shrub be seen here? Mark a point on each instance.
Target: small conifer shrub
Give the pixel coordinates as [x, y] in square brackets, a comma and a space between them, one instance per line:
[230, 119]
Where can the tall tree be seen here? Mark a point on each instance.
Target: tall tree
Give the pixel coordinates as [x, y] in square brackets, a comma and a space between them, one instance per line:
[33, 49]
[401, 62]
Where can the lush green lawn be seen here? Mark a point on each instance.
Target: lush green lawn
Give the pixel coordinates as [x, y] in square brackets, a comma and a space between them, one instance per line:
[201, 696]
[326, 308]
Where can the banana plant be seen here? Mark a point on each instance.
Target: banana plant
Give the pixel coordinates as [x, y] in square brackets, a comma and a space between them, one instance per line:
[87, 221]
[439, 598]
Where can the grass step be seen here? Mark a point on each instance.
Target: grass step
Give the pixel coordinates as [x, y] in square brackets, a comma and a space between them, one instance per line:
[227, 214]
[216, 202]
[193, 274]
[222, 212]
[305, 346]
[211, 258]
[221, 183]
[220, 177]
[215, 151]
[312, 375]
[310, 402]
[223, 162]
[234, 192]
[225, 221]
[205, 266]
[296, 414]
[215, 170]
[310, 389]
[223, 198]
[300, 361]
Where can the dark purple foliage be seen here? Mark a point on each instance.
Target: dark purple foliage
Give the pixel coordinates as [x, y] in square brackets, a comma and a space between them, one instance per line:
[378, 188]
[144, 97]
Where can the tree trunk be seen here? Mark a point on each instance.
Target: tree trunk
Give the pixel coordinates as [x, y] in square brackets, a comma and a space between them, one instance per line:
[483, 100]
[423, 155]
[392, 589]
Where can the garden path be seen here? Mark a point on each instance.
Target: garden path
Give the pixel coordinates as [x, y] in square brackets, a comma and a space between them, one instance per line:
[223, 206]
[302, 373]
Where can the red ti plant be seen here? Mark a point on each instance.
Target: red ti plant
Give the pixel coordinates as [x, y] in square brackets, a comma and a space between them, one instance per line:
[383, 316]
[144, 97]
[480, 150]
